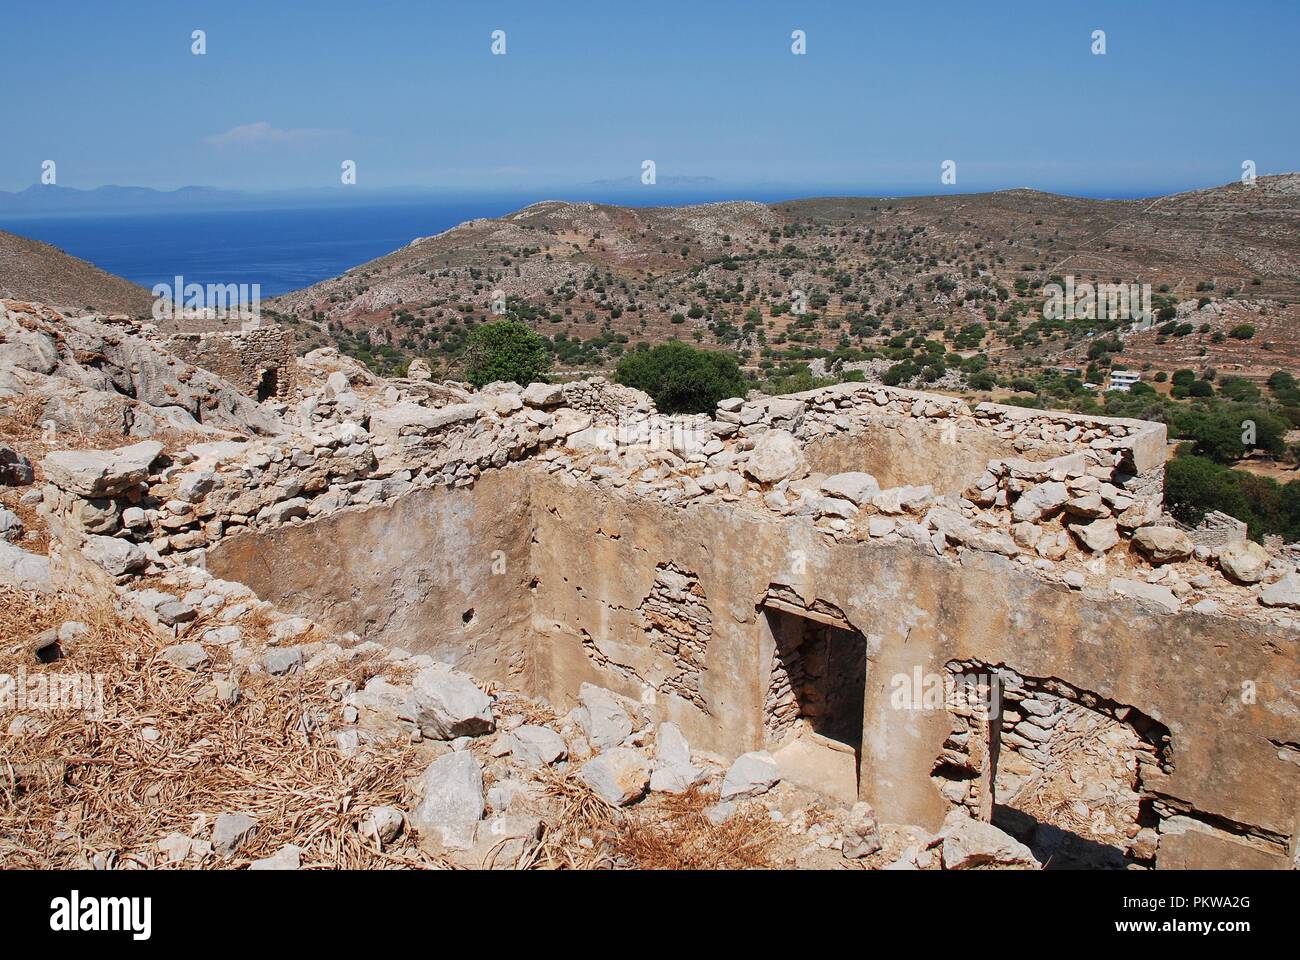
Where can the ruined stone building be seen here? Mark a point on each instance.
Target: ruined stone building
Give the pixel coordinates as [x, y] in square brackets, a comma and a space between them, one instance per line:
[257, 358]
[905, 599]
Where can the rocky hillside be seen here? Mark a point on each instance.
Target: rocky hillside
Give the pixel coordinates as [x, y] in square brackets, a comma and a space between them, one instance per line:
[807, 278]
[31, 270]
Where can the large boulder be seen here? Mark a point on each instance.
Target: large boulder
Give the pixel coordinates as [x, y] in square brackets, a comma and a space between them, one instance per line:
[1163, 544]
[101, 473]
[1283, 593]
[620, 775]
[1244, 561]
[752, 775]
[450, 704]
[974, 843]
[776, 456]
[452, 800]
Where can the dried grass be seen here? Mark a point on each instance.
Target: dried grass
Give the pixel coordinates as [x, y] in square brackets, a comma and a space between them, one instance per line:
[678, 836]
[581, 827]
[107, 790]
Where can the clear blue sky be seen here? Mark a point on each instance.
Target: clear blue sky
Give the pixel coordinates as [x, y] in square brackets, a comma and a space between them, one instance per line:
[587, 90]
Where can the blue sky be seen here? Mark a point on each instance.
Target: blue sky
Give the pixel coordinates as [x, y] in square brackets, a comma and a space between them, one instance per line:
[885, 93]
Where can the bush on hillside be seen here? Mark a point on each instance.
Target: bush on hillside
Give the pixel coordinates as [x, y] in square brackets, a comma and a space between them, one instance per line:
[682, 379]
[505, 350]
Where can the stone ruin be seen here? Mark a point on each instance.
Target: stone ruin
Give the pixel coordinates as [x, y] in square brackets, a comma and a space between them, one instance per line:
[257, 359]
[808, 579]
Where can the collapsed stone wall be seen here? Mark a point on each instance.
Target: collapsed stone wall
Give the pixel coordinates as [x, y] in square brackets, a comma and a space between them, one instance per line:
[1077, 760]
[605, 400]
[258, 360]
[677, 623]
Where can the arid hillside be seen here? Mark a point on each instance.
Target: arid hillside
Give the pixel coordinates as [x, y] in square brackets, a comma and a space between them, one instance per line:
[31, 270]
[830, 277]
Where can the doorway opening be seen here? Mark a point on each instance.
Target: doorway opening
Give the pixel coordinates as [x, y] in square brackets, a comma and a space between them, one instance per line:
[268, 386]
[813, 712]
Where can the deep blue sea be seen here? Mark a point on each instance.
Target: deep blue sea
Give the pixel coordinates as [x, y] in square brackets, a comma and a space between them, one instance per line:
[280, 249]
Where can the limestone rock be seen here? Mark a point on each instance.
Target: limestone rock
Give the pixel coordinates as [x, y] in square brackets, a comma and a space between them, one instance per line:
[1163, 544]
[288, 857]
[278, 662]
[568, 422]
[673, 770]
[1040, 501]
[1155, 593]
[187, 656]
[537, 746]
[382, 824]
[861, 832]
[26, 571]
[1283, 593]
[450, 704]
[101, 473]
[619, 775]
[115, 555]
[776, 456]
[231, 831]
[11, 525]
[1098, 536]
[603, 718]
[15, 469]
[752, 775]
[543, 395]
[452, 791]
[854, 486]
[902, 499]
[974, 843]
[1244, 561]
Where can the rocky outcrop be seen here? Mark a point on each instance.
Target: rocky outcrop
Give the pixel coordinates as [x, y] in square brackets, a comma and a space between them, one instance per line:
[114, 377]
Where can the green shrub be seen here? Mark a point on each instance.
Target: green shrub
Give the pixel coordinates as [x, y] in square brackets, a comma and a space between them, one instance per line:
[505, 350]
[681, 378]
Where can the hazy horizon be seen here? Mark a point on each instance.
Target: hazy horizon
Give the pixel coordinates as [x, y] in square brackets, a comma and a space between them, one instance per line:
[663, 194]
